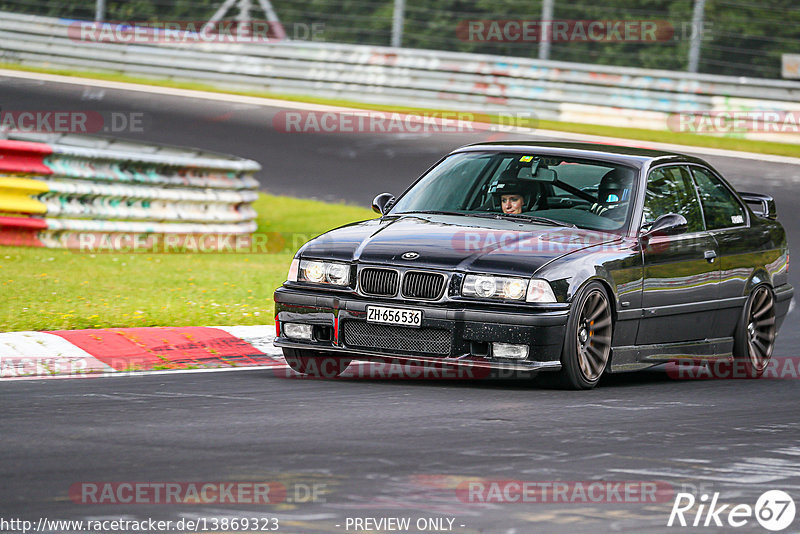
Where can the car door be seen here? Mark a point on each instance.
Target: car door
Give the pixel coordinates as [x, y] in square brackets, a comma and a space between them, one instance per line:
[681, 278]
[740, 245]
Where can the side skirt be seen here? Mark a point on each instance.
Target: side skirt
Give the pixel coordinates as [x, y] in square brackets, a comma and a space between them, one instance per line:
[634, 357]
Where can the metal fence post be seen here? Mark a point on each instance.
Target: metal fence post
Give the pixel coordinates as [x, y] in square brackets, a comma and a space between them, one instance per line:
[397, 23]
[697, 34]
[100, 10]
[275, 22]
[545, 29]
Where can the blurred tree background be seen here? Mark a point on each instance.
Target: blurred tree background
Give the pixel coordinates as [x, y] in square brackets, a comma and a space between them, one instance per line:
[741, 38]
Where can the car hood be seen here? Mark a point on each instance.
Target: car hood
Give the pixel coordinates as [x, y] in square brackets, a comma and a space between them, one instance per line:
[453, 243]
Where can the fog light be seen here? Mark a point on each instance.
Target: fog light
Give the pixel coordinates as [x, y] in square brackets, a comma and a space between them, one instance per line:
[297, 331]
[507, 350]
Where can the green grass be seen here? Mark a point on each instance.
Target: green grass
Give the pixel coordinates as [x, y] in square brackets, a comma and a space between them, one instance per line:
[54, 289]
[661, 136]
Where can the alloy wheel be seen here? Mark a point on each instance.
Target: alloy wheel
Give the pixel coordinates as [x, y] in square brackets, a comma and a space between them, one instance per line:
[594, 335]
[761, 328]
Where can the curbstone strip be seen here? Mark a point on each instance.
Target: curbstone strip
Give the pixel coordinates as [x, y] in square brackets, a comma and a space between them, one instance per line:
[44, 355]
[103, 352]
[259, 336]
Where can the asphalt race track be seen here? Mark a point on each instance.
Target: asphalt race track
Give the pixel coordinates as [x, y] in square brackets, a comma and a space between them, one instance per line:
[387, 448]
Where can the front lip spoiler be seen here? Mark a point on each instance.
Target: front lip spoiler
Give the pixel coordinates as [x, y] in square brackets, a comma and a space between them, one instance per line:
[452, 361]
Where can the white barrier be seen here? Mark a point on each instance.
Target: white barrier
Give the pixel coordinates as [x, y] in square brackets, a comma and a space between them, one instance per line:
[570, 92]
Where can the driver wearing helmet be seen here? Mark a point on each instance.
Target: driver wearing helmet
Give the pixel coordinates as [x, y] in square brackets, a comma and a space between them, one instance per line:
[613, 193]
[511, 193]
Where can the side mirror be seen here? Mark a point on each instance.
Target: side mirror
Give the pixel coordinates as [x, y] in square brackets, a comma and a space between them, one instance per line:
[669, 224]
[380, 202]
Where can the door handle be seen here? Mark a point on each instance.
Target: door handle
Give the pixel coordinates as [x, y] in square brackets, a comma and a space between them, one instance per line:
[710, 256]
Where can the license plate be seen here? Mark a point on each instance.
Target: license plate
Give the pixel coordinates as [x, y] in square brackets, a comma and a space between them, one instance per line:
[395, 316]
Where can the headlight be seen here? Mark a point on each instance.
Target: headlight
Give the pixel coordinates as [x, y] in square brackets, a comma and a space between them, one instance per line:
[481, 286]
[487, 286]
[313, 271]
[338, 273]
[323, 272]
[514, 288]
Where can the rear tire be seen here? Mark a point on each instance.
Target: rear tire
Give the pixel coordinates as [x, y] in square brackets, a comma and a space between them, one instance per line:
[587, 343]
[756, 331]
[315, 363]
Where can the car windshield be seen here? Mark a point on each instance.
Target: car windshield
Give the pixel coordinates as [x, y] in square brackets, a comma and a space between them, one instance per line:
[585, 193]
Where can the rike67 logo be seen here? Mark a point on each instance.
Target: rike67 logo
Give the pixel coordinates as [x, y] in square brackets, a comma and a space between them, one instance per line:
[774, 510]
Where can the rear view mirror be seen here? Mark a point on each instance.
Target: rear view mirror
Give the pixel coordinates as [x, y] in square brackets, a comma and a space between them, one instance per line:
[669, 224]
[544, 175]
[537, 173]
[381, 202]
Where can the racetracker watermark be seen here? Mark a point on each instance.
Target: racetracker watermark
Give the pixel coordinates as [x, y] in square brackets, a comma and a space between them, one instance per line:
[30, 367]
[383, 122]
[564, 492]
[784, 368]
[193, 31]
[483, 241]
[731, 122]
[467, 241]
[590, 31]
[327, 368]
[203, 493]
[77, 122]
[140, 243]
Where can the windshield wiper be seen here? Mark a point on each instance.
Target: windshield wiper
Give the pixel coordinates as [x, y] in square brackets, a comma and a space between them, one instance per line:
[522, 217]
[435, 212]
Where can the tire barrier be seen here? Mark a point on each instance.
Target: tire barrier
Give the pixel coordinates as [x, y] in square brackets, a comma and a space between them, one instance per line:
[61, 192]
[569, 92]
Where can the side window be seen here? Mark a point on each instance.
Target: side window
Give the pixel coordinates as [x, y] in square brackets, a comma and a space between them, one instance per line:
[720, 206]
[671, 190]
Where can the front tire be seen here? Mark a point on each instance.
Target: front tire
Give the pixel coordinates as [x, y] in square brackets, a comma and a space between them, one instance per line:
[756, 331]
[315, 363]
[587, 345]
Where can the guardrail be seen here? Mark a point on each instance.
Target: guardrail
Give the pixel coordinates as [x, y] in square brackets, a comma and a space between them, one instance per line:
[69, 191]
[569, 92]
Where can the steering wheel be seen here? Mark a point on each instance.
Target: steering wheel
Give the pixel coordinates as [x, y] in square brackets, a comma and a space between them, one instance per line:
[585, 206]
[594, 209]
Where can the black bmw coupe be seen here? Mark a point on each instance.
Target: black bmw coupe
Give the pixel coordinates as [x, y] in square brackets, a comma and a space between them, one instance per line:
[566, 260]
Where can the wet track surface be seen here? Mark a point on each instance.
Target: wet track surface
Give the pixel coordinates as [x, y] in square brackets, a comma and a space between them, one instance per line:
[387, 447]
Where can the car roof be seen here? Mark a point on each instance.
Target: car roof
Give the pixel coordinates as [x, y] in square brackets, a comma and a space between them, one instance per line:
[625, 155]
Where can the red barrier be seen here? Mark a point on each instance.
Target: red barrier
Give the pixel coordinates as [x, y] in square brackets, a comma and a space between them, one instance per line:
[24, 157]
[21, 231]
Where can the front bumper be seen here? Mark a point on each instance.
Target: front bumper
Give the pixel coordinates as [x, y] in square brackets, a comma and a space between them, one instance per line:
[465, 334]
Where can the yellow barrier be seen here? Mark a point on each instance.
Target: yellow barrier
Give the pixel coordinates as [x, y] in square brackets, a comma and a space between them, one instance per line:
[15, 195]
